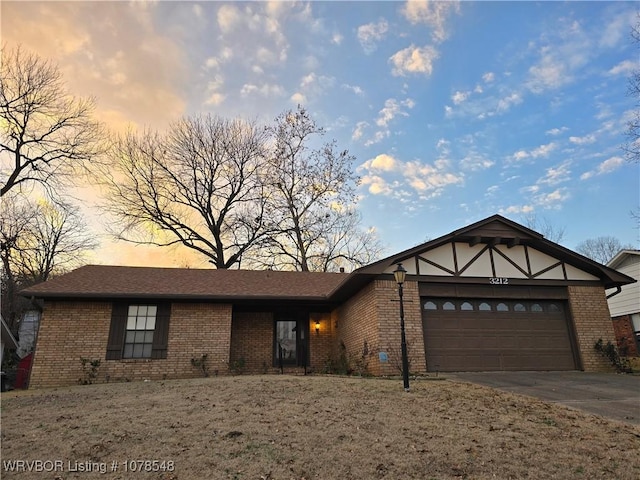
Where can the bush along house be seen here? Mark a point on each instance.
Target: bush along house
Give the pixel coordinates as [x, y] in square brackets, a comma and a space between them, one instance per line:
[493, 295]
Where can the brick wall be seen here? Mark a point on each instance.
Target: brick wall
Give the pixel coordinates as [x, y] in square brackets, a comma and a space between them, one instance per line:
[355, 323]
[373, 315]
[592, 321]
[388, 306]
[73, 330]
[625, 338]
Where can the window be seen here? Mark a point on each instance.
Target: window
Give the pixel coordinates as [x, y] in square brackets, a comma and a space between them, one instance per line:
[138, 330]
[141, 323]
[430, 306]
[485, 307]
[502, 307]
[536, 307]
[466, 306]
[448, 306]
[519, 307]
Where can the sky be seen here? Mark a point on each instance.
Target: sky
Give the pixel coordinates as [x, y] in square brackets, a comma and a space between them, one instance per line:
[454, 111]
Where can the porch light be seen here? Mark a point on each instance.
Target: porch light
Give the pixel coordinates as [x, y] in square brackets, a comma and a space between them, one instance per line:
[317, 326]
[400, 274]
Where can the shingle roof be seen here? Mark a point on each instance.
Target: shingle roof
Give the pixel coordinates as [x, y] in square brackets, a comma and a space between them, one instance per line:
[100, 281]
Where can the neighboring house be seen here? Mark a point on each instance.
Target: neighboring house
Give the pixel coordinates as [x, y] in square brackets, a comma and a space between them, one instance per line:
[624, 303]
[7, 340]
[494, 295]
[27, 333]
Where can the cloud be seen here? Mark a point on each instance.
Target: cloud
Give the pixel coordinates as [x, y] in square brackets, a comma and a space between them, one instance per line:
[393, 108]
[358, 132]
[427, 180]
[608, 166]
[517, 209]
[432, 13]
[626, 68]
[541, 151]
[553, 199]
[265, 90]
[556, 175]
[371, 33]
[488, 77]
[475, 162]
[556, 131]
[587, 139]
[354, 88]
[214, 96]
[228, 17]
[413, 60]
[459, 97]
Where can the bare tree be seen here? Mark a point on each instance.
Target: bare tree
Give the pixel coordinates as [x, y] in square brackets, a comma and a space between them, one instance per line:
[545, 227]
[37, 240]
[312, 205]
[632, 145]
[199, 186]
[45, 133]
[601, 249]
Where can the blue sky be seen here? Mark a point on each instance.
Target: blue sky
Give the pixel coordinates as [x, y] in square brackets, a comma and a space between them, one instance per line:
[454, 111]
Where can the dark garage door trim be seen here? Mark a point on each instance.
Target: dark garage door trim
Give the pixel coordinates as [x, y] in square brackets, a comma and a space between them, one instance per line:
[474, 334]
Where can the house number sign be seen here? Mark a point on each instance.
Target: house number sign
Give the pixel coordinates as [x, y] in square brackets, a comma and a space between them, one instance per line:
[498, 281]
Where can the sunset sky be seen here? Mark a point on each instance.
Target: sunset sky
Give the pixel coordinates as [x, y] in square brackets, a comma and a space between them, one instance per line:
[454, 111]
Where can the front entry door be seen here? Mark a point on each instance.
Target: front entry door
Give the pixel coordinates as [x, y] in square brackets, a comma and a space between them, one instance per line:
[291, 337]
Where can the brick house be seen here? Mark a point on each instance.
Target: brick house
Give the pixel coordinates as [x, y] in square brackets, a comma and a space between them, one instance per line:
[624, 303]
[491, 296]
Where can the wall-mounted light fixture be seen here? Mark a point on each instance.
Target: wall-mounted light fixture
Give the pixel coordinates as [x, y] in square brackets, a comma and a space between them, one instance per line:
[317, 326]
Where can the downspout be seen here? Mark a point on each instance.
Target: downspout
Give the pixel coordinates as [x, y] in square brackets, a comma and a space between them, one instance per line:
[618, 290]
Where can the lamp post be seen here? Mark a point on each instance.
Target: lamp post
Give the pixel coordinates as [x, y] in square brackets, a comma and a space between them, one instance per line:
[400, 273]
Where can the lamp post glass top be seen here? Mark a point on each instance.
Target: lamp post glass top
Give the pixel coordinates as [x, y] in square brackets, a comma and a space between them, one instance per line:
[400, 273]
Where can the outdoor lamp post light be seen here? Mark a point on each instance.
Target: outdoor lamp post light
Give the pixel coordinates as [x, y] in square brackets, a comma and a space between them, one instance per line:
[400, 273]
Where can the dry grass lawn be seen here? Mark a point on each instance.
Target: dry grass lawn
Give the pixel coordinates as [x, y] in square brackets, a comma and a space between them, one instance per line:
[295, 427]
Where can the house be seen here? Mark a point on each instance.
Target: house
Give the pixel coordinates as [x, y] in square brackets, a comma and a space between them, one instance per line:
[6, 339]
[493, 295]
[624, 303]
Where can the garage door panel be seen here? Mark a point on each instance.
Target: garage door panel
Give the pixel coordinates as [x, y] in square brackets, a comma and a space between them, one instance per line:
[493, 334]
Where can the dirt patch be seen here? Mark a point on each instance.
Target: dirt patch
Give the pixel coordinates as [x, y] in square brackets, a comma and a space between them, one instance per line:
[288, 427]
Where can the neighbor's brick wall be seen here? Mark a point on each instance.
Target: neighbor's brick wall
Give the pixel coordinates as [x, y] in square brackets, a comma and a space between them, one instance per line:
[389, 326]
[623, 328]
[71, 330]
[592, 321]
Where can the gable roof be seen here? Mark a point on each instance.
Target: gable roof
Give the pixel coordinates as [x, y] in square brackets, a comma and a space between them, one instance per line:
[621, 256]
[500, 230]
[101, 281]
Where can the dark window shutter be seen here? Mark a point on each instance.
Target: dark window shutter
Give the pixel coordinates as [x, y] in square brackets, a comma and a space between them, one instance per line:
[116, 331]
[161, 333]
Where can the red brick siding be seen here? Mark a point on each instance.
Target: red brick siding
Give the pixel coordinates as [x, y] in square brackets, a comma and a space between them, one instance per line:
[592, 321]
[625, 338]
[73, 330]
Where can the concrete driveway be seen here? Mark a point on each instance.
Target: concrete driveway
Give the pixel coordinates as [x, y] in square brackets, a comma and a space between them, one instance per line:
[610, 395]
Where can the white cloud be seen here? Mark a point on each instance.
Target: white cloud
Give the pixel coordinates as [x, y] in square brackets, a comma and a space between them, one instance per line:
[459, 97]
[377, 185]
[505, 104]
[432, 13]
[358, 132]
[517, 209]
[418, 60]
[475, 162]
[265, 90]
[228, 17]
[298, 99]
[608, 166]
[625, 68]
[489, 77]
[541, 151]
[393, 108]
[556, 175]
[371, 33]
[354, 88]
[556, 131]
[337, 38]
[553, 199]
[587, 139]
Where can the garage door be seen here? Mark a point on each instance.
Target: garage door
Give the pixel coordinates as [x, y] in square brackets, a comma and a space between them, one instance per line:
[491, 334]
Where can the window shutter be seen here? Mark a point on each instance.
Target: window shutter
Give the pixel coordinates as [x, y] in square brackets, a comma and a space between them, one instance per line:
[161, 334]
[116, 331]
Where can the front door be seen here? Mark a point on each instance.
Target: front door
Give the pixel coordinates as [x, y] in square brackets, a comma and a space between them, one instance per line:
[291, 337]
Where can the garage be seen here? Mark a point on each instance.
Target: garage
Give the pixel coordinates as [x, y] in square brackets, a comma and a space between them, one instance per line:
[488, 334]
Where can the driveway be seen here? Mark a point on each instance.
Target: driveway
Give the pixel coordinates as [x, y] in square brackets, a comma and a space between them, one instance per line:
[610, 395]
